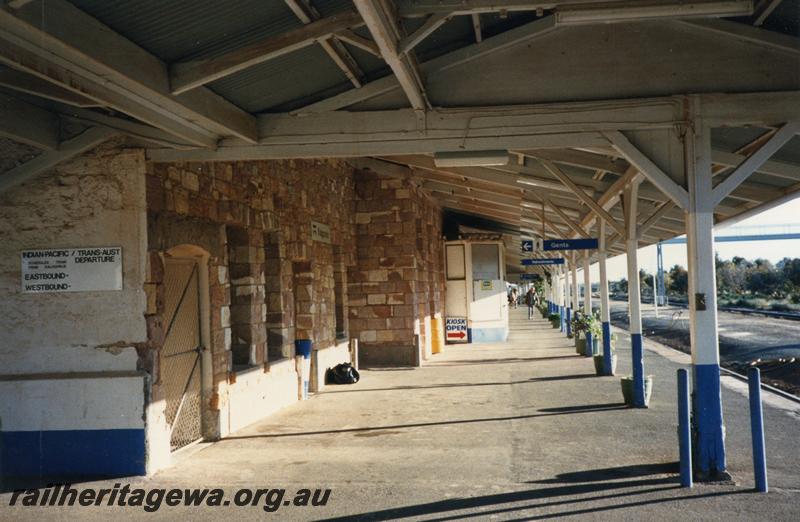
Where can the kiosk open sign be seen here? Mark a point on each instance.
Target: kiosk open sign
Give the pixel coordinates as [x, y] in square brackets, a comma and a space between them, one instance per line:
[456, 329]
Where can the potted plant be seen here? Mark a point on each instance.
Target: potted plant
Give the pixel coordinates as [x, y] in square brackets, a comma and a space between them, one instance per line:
[581, 325]
[594, 328]
[598, 357]
[555, 320]
[627, 389]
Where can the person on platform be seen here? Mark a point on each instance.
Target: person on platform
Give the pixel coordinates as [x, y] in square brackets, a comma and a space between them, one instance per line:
[530, 299]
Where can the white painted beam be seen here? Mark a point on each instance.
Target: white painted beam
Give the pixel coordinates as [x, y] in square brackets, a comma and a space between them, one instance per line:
[27, 123]
[58, 33]
[612, 195]
[747, 34]
[356, 40]
[657, 214]
[651, 171]
[764, 9]
[761, 109]
[626, 11]
[455, 58]
[566, 180]
[420, 143]
[755, 160]
[89, 139]
[476, 27]
[433, 22]
[29, 84]
[62, 76]
[124, 126]
[307, 13]
[194, 73]
[387, 36]
[778, 169]
[578, 158]
[566, 219]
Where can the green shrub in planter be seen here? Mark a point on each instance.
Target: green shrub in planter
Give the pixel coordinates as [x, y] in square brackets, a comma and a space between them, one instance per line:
[555, 320]
[586, 323]
[580, 345]
[627, 389]
[598, 363]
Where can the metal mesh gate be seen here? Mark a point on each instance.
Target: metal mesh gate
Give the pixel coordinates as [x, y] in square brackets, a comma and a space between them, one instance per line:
[180, 355]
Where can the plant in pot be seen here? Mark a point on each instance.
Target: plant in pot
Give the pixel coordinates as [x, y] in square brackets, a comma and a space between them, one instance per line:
[598, 356]
[579, 328]
[555, 320]
[627, 389]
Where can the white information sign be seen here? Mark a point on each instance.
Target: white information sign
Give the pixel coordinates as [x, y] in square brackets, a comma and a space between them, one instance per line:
[320, 232]
[455, 329]
[71, 269]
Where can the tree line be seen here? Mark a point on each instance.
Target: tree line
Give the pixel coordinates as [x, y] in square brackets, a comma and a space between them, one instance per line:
[740, 282]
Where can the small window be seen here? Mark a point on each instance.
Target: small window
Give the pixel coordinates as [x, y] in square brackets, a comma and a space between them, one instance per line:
[485, 262]
[455, 262]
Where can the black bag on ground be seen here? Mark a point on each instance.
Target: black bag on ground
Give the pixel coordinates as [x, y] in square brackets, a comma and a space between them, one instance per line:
[342, 374]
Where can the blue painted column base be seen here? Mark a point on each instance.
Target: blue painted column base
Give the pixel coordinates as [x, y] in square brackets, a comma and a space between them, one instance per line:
[607, 366]
[589, 345]
[569, 322]
[709, 431]
[638, 371]
[561, 313]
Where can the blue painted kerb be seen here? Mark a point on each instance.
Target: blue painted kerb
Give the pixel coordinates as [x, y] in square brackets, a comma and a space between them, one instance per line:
[72, 453]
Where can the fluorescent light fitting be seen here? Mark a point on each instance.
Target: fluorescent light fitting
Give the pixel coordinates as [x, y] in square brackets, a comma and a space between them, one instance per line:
[471, 158]
[653, 11]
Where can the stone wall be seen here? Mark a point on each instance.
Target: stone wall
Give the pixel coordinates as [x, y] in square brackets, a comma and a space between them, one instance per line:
[276, 283]
[396, 284]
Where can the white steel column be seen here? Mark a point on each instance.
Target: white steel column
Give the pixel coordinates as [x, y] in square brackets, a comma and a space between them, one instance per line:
[634, 294]
[575, 292]
[605, 311]
[587, 301]
[567, 315]
[709, 458]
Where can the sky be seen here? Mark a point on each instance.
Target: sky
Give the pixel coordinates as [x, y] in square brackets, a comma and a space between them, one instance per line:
[786, 214]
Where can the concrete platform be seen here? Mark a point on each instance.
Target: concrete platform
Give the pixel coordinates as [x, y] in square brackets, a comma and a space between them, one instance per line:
[519, 430]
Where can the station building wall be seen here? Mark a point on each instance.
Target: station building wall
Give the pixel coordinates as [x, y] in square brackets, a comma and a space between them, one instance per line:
[75, 363]
[72, 392]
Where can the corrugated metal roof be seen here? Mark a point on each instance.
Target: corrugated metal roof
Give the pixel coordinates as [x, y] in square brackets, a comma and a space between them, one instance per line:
[301, 74]
[177, 29]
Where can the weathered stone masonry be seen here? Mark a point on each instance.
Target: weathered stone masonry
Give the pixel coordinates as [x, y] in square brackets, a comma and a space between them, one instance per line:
[265, 283]
[396, 285]
[271, 284]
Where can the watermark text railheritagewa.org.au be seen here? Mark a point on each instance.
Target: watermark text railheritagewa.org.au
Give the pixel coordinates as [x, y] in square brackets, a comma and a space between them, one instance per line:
[152, 499]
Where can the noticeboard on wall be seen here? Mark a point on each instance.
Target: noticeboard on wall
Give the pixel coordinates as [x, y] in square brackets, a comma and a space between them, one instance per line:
[85, 269]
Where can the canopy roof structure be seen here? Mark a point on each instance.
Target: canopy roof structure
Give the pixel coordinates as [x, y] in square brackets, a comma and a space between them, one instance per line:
[584, 96]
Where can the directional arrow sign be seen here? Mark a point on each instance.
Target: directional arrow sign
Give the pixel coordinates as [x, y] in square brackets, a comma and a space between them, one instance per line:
[539, 262]
[456, 329]
[527, 246]
[570, 244]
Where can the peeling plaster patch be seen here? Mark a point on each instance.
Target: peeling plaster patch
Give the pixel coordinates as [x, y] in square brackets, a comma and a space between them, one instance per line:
[119, 347]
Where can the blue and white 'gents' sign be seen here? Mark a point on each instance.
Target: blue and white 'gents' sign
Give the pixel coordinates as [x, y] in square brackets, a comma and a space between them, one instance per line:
[530, 277]
[540, 262]
[569, 244]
